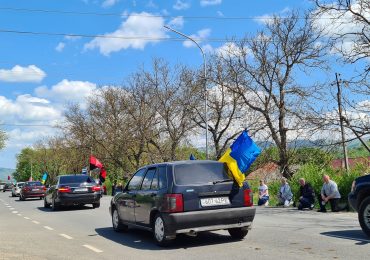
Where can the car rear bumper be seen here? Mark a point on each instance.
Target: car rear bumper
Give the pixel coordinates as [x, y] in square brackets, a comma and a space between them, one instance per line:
[352, 200]
[74, 199]
[207, 220]
[33, 195]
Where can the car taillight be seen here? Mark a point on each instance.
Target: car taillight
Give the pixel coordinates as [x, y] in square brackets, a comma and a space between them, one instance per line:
[26, 189]
[95, 188]
[44, 188]
[64, 189]
[248, 198]
[173, 203]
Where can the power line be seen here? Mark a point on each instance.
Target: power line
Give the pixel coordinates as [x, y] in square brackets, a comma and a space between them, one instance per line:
[114, 37]
[148, 16]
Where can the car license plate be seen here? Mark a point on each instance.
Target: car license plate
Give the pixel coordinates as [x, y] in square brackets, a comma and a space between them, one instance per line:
[219, 201]
[35, 189]
[80, 189]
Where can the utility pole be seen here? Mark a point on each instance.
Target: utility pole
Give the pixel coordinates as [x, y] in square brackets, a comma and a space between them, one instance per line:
[339, 95]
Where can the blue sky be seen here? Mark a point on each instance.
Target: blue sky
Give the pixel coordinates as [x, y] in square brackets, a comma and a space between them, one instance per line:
[39, 74]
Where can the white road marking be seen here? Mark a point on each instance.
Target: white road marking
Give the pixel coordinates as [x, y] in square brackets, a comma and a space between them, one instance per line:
[19, 215]
[15, 212]
[26, 217]
[8, 206]
[36, 222]
[66, 236]
[11, 208]
[93, 249]
[49, 228]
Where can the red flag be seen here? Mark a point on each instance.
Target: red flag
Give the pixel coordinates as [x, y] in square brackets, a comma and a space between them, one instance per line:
[8, 177]
[94, 163]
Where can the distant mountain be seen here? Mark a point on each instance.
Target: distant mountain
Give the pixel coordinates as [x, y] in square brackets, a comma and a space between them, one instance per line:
[5, 172]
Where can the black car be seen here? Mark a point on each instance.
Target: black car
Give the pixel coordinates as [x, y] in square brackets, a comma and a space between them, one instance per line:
[183, 197]
[74, 189]
[359, 199]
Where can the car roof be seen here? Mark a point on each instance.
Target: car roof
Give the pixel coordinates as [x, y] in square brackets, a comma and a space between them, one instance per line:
[73, 175]
[174, 163]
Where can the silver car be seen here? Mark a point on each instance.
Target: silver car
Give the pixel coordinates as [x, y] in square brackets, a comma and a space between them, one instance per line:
[17, 189]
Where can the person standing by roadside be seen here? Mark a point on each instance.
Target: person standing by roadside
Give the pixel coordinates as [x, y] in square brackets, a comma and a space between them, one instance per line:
[329, 193]
[285, 193]
[307, 195]
[263, 194]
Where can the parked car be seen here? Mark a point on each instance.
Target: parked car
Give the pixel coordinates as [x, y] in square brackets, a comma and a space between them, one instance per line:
[183, 197]
[32, 189]
[74, 189]
[2, 184]
[359, 199]
[17, 189]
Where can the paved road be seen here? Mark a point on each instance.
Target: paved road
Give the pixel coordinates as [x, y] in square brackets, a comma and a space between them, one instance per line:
[28, 231]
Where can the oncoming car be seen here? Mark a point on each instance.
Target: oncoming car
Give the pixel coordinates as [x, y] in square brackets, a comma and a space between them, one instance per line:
[184, 197]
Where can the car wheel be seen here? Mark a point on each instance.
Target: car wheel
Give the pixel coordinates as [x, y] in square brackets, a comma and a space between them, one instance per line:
[54, 206]
[21, 197]
[159, 231]
[364, 216]
[116, 222]
[46, 205]
[238, 233]
[96, 205]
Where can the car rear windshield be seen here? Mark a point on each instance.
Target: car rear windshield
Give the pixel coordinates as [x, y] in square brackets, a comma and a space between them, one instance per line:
[34, 183]
[199, 173]
[75, 179]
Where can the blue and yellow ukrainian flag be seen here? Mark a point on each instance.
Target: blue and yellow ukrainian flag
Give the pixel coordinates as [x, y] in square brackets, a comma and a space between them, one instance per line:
[44, 178]
[240, 156]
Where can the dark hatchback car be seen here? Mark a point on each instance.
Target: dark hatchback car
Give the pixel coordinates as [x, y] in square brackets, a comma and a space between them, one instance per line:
[32, 189]
[359, 199]
[183, 197]
[74, 189]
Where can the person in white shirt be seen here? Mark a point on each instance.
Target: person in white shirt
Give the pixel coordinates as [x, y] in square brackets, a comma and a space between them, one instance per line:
[329, 193]
[263, 194]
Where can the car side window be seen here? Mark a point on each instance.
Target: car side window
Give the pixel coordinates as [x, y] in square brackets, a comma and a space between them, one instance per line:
[162, 177]
[148, 179]
[135, 182]
[155, 182]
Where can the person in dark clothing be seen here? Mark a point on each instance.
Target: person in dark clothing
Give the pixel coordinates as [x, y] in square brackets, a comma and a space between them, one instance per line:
[307, 198]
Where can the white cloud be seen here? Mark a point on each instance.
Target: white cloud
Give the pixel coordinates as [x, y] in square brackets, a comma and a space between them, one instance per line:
[139, 29]
[60, 47]
[199, 37]
[231, 49]
[72, 38]
[27, 108]
[269, 18]
[335, 23]
[151, 4]
[180, 5]
[67, 90]
[109, 3]
[177, 22]
[210, 2]
[208, 48]
[22, 74]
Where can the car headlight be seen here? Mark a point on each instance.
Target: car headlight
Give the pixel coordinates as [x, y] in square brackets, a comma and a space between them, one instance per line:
[353, 186]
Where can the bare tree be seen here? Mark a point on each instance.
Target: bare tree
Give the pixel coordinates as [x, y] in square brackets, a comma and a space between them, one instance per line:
[171, 97]
[264, 74]
[227, 117]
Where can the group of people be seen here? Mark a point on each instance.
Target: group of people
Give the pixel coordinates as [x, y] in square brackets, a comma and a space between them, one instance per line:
[329, 194]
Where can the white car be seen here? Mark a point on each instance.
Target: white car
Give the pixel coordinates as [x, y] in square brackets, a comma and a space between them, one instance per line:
[17, 189]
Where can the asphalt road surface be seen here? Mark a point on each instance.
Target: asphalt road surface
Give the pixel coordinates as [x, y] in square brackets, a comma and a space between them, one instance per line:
[28, 231]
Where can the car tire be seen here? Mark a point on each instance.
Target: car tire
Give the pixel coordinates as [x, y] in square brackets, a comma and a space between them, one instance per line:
[160, 231]
[364, 216]
[54, 206]
[21, 197]
[46, 205]
[96, 205]
[238, 233]
[117, 224]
